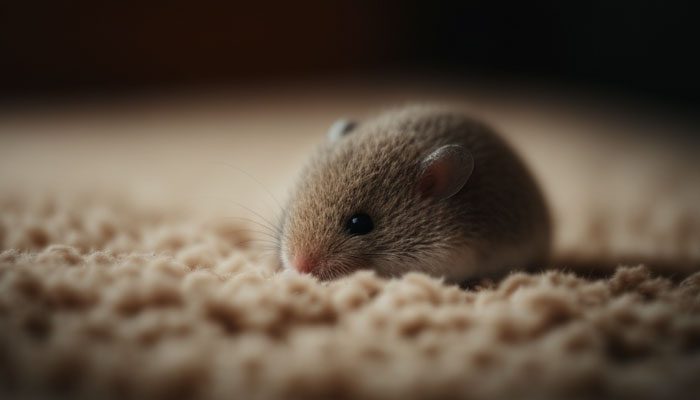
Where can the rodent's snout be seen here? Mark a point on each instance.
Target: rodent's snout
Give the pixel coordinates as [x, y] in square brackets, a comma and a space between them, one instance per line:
[317, 264]
[304, 263]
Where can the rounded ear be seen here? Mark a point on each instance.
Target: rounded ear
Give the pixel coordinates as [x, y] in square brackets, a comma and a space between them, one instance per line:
[445, 171]
[339, 129]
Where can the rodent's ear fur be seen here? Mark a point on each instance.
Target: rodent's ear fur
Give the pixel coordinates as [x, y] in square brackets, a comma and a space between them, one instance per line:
[339, 129]
[445, 171]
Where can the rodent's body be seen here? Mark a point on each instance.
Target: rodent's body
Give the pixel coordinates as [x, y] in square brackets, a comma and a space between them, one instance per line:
[496, 221]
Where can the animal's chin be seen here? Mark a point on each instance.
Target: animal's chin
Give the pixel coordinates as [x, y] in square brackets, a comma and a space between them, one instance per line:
[325, 271]
[331, 272]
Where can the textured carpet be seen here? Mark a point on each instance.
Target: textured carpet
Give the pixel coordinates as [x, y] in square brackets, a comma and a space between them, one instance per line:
[121, 294]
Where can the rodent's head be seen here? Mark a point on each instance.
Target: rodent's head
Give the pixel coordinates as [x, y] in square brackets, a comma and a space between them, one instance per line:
[376, 196]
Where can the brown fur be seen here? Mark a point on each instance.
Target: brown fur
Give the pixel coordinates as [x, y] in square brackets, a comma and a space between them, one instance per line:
[497, 222]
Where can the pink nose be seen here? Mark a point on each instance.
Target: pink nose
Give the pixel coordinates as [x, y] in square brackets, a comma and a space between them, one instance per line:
[304, 263]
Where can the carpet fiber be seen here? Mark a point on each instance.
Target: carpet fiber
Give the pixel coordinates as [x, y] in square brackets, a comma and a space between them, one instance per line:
[169, 308]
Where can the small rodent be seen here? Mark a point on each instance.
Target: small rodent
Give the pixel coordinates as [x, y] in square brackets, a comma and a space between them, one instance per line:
[422, 188]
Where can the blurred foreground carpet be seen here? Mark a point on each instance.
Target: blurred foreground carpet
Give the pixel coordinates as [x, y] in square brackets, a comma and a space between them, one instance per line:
[120, 279]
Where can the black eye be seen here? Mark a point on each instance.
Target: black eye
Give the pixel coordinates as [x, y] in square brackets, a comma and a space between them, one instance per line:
[359, 224]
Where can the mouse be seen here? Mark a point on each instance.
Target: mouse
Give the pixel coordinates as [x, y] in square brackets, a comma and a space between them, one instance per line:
[421, 188]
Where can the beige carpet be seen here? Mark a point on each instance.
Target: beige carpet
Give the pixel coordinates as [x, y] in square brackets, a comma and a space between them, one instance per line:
[129, 269]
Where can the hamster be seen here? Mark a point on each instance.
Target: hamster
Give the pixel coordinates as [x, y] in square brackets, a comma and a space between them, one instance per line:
[422, 188]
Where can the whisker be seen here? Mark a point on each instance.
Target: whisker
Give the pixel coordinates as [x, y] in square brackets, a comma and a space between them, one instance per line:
[270, 242]
[266, 232]
[272, 226]
[254, 179]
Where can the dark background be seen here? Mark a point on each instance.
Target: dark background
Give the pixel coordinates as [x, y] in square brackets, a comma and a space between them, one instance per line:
[644, 50]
